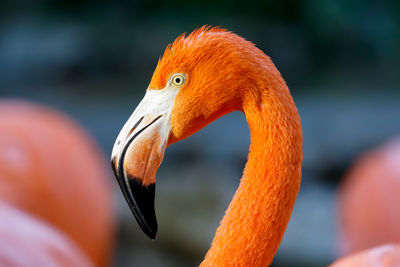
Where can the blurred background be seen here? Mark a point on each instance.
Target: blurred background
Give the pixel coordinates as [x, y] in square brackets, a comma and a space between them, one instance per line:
[93, 61]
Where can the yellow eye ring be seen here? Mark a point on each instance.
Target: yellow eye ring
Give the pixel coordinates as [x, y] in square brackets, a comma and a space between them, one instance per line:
[178, 80]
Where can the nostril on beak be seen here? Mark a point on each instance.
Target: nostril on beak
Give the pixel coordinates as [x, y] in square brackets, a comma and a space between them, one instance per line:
[134, 126]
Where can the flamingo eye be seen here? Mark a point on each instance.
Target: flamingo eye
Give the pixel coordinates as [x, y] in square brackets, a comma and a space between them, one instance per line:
[178, 80]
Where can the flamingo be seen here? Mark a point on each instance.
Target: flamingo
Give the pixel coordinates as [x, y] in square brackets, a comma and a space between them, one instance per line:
[201, 77]
[368, 208]
[50, 167]
[382, 256]
[369, 200]
[28, 241]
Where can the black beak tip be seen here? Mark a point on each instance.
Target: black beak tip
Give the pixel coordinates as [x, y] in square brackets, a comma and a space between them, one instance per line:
[142, 206]
[140, 199]
[151, 233]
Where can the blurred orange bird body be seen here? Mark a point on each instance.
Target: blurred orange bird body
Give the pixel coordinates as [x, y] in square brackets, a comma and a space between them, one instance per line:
[51, 168]
[369, 200]
[382, 256]
[26, 241]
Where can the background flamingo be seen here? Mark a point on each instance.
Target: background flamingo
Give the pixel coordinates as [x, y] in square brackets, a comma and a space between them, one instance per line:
[381, 256]
[368, 207]
[27, 241]
[369, 200]
[51, 168]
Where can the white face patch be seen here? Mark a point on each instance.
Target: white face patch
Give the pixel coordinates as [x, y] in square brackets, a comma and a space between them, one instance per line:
[148, 126]
[155, 103]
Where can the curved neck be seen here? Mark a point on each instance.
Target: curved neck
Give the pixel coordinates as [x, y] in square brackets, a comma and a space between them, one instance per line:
[254, 224]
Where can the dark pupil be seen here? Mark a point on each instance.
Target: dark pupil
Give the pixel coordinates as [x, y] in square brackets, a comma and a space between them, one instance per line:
[177, 80]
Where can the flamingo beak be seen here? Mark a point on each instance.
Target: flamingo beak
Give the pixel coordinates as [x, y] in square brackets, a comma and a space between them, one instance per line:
[138, 152]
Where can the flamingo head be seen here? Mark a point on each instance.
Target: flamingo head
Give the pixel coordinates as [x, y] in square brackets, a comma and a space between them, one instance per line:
[198, 79]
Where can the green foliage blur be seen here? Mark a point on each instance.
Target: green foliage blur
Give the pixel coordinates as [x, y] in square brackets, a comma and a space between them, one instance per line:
[312, 42]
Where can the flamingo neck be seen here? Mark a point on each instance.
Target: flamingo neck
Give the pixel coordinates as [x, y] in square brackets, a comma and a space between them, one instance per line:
[256, 219]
